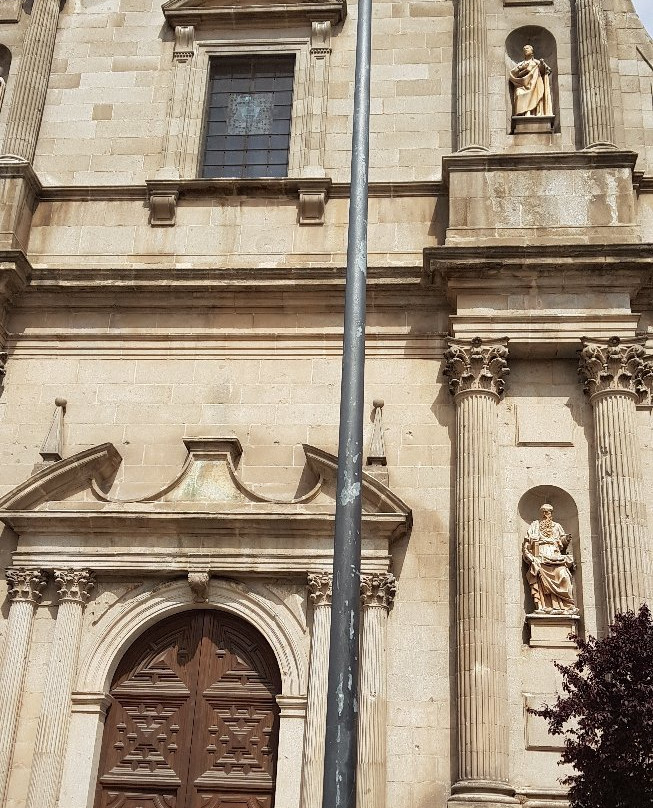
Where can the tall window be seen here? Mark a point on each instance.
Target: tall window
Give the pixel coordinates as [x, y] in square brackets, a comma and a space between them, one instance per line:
[248, 120]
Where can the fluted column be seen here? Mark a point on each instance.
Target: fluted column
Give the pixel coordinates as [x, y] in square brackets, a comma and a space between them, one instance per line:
[25, 594]
[319, 590]
[377, 595]
[473, 126]
[28, 100]
[74, 587]
[614, 373]
[597, 115]
[476, 374]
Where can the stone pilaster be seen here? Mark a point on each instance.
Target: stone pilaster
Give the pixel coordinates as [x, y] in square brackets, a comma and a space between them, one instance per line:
[377, 595]
[476, 372]
[317, 97]
[613, 373]
[177, 113]
[319, 590]
[74, 588]
[25, 594]
[471, 55]
[597, 115]
[28, 100]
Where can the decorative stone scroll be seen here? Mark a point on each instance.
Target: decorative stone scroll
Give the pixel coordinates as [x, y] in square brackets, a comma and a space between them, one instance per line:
[74, 587]
[319, 592]
[25, 588]
[473, 365]
[615, 377]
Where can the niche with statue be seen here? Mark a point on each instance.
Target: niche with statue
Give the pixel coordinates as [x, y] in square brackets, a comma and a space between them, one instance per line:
[532, 81]
[549, 545]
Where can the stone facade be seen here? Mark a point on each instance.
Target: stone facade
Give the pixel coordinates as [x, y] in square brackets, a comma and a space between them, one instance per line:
[170, 352]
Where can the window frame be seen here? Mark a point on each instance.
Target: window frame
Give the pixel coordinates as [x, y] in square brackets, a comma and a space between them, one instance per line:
[196, 118]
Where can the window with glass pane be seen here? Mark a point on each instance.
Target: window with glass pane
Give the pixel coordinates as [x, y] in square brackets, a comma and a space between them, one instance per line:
[249, 110]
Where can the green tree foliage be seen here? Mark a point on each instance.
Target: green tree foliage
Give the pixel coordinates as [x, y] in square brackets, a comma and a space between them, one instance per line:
[606, 715]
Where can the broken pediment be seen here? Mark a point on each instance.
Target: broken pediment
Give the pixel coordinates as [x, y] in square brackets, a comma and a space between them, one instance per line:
[207, 513]
[232, 13]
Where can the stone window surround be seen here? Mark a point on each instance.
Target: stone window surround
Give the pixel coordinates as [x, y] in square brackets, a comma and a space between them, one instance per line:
[187, 113]
[195, 121]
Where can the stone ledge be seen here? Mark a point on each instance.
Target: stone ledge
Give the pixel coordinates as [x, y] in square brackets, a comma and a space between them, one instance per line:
[552, 630]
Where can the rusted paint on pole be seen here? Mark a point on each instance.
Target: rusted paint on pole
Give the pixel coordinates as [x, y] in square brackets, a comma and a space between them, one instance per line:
[342, 706]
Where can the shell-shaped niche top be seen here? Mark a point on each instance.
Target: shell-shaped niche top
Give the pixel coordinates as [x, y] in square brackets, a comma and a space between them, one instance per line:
[207, 482]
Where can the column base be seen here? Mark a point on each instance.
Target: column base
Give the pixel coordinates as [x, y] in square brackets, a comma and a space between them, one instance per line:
[481, 794]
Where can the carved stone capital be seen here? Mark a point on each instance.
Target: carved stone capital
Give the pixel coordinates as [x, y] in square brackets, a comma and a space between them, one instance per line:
[615, 366]
[320, 588]
[74, 585]
[378, 589]
[476, 365]
[26, 585]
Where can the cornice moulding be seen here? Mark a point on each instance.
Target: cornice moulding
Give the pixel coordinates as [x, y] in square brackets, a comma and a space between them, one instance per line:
[585, 160]
[233, 15]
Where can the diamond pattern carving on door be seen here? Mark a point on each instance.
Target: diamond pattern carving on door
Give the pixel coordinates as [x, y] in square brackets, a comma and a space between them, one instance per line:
[193, 721]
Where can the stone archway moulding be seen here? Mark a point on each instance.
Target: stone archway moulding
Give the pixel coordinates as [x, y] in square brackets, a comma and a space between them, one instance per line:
[124, 622]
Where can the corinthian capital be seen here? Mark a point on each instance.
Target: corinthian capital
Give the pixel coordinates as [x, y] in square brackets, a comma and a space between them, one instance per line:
[378, 589]
[74, 585]
[613, 365]
[476, 365]
[320, 588]
[26, 585]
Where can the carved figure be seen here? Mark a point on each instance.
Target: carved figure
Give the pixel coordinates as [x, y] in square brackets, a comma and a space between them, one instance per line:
[530, 86]
[546, 551]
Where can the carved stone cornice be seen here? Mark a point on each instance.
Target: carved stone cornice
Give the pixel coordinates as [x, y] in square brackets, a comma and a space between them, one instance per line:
[74, 585]
[320, 588]
[25, 585]
[378, 589]
[473, 365]
[615, 366]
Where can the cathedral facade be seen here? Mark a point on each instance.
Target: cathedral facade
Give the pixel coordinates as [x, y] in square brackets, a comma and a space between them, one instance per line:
[174, 190]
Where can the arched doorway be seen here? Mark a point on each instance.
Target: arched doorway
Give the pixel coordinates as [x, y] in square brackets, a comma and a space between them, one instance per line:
[193, 720]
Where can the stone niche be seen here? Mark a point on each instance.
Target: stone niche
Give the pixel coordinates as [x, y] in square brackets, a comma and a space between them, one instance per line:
[551, 630]
[543, 198]
[537, 129]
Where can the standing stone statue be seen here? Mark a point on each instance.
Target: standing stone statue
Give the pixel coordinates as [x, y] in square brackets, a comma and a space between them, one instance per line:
[530, 86]
[550, 563]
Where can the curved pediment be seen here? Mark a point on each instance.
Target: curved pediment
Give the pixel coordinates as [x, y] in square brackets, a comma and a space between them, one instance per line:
[232, 13]
[209, 481]
[90, 468]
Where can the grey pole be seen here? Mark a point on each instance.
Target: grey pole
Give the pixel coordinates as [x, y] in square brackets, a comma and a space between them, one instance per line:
[342, 697]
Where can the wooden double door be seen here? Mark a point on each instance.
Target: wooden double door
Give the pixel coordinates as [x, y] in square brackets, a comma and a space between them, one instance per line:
[193, 720]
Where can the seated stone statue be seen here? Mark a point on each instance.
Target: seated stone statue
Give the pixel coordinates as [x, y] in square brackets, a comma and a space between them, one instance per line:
[530, 86]
[550, 564]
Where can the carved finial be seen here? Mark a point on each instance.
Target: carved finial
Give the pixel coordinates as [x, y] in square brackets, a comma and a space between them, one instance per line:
[376, 454]
[378, 589]
[320, 588]
[474, 365]
[199, 586]
[26, 585]
[614, 365]
[74, 585]
[184, 43]
[52, 448]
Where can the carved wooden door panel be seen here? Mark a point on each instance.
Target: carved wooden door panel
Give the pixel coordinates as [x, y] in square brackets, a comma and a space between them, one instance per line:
[193, 721]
